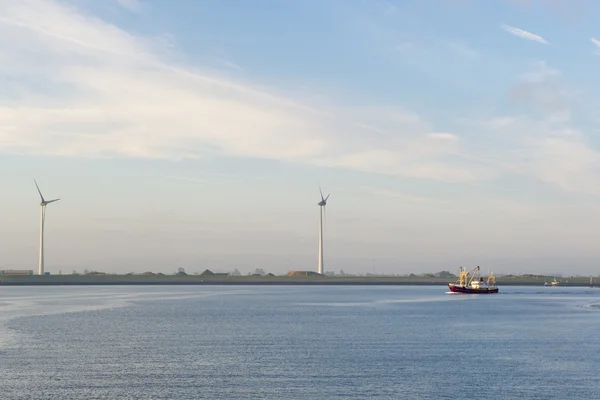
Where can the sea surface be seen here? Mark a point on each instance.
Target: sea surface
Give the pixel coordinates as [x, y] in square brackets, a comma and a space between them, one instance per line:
[298, 342]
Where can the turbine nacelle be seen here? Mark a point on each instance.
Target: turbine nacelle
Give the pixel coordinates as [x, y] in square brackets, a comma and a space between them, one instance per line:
[44, 202]
[323, 201]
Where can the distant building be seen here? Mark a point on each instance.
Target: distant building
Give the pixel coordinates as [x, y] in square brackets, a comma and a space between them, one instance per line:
[16, 272]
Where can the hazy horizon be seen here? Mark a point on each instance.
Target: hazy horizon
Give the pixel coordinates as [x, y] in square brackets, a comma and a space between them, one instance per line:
[196, 135]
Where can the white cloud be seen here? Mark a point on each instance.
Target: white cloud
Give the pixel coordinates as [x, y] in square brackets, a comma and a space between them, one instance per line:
[542, 89]
[546, 139]
[230, 64]
[80, 87]
[540, 72]
[523, 34]
[597, 43]
[569, 163]
[85, 88]
[548, 150]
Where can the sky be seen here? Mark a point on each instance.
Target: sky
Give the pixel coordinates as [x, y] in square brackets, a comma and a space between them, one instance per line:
[196, 134]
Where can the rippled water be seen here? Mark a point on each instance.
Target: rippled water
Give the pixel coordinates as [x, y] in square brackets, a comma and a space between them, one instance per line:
[302, 342]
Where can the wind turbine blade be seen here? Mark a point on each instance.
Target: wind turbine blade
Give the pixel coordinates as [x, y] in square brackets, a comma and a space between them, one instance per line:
[320, 191]
[327, 196]
[52, 201]
[38, 189]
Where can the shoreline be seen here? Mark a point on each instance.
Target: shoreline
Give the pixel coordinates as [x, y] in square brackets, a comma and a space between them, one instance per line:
[108, 280]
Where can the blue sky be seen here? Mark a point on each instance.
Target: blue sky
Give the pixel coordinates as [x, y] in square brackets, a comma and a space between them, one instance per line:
[195, 133]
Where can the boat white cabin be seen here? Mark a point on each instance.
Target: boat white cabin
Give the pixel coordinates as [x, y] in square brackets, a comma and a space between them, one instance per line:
[480, 284]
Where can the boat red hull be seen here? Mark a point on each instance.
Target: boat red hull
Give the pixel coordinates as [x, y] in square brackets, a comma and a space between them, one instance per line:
[463, 289]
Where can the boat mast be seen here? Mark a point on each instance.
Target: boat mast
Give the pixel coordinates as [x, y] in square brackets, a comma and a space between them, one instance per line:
[471, 275]
[463, 279]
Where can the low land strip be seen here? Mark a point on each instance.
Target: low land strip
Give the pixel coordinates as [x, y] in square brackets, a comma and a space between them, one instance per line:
[266, 280]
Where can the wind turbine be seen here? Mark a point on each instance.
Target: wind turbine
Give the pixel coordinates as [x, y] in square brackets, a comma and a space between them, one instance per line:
[322, 205]
[43, 205]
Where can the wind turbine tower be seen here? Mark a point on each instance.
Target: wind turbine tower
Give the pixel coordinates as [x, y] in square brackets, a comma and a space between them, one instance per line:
[322, 205]
[43, 205]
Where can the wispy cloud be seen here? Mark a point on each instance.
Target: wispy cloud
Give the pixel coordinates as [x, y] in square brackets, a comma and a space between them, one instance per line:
[596, 42]
[548, 146]
[131, 5]
[230, 64]
[548, 138]
[550, 150]
[523, 34]
[111, 93]
[569, 163]
[542, 89]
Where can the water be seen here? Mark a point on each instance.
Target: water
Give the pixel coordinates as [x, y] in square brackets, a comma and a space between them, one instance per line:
[302, 342]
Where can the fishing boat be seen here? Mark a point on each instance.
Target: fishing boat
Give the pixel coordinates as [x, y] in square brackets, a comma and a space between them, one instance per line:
[553, 283]
[471, 282]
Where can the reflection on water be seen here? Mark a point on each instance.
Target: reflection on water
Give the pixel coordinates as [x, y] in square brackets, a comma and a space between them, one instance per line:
[301, 342]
